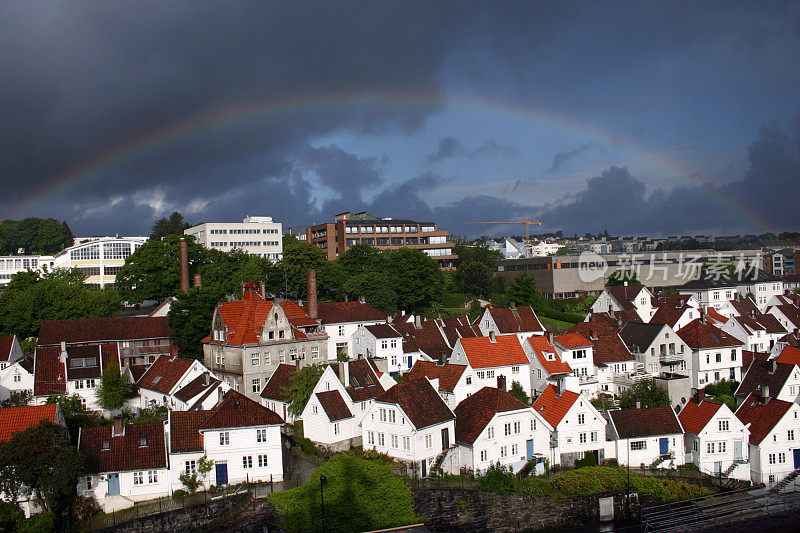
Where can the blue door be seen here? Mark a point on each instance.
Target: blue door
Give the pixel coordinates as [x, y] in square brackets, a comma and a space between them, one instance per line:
[113, 484]
[529, 449]
[410, 362]
[222, 473]
[797, 458]
[663, 445]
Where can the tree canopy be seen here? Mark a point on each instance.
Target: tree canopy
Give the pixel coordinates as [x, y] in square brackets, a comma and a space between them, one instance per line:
[522, 290]
[301, 386]
[189, 319]
[621, 277]
[45, 236]
[174, 225]
[298, 258]
[112, 391]
[647, 392]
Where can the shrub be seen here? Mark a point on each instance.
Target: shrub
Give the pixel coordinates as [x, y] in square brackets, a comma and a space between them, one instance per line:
[84, 507]
[179, 494]
[498, 479]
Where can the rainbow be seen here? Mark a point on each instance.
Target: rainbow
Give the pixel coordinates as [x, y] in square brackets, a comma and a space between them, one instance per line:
[210, 120]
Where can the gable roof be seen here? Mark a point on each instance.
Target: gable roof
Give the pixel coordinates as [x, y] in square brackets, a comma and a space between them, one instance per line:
[669, 314]
[333, 405]
[164, 373]
[125, 452]
[540, 347]
[699, 335]
[572, 340]
[552, 407]
[383, 331]
[49, 375]
[94, 360]
[184, 431]
[790, 355]
[645, 422]
[85, 330]
[278, 382]
[762, 417]
[625, 294]
[481, 352]
[6, 343]
[791, 312]
[342, 312]
[197, 386]
[363, 381]
[423, 405]
[428, 338]
[761, 373]
[694, 416]
[237, 410]
[476, 411]
[14, 419]
[515, 320]
[639, 336]
[608, 346]
[448, 374]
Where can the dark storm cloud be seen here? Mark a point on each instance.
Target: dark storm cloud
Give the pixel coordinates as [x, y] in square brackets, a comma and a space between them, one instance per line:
[562, 158]
[491, 147]
[448, 147]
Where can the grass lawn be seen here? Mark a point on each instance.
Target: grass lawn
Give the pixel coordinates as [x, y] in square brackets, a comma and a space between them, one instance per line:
[558, 325]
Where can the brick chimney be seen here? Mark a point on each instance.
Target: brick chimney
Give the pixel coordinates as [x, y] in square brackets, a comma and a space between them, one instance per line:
[183, 253]
[700, 395]
[765, 394]
[196, 281]
[501, 382]
[773, 366]
[492, 338]
[311, 288]
[117, 429]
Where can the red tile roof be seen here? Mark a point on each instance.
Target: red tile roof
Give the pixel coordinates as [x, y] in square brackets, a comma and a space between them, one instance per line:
[506, 350]
[670, 311]
[790, 355]
[760, 372]
[572, 340]
[137, 371]
[419, 401]
[383, 331]
[448, 375]
[694, 417]
[342, 312]
[197, 386]
[364, 384]
[516, 320]
[553, 408]
[49, 374]
[333, 405]
[428, 339]
[704, 336]
[6, 343]
[278, 382]
[14, 419]
[477, 410]
[125, 452]
[645, 422]
[164, 373]
[236, 410]
[184, 431]
[552, 366]
[792, 313]
[623, 294]
[86, 330]
[761, 417]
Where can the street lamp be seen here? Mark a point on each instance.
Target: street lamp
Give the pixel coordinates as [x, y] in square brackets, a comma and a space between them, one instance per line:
[322, 481]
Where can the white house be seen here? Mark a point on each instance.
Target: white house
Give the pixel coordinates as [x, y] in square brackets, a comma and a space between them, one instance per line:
[650, 436]
[165, 377]
[493, 427]
[774, 437]
[716, 355]
[241, 437]
[759, 332]
[340, 320]
[788, 315]
[200, 394]
[710, 291]
[577, 351]
[455, 382]
[657, 348]
[579, 427]
[10, 351]
[675, 310]
[770, 377]
[382, 341]
[16, 379]
[546, 365]
[273, 395]
[637, 298]
[125, 464]
[520, 321]
[328, 417]
[716, 440]
[494, 356]
[411, 423]
[762, 285]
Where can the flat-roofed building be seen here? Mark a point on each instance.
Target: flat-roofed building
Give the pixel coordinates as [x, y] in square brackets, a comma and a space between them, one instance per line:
[259, 236]
[348, 229]
[99, 258]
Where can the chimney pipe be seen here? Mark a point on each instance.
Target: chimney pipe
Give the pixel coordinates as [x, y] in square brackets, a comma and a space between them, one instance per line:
[205, 379]
[765, 394]
[773, 366]
[492, 338]
[262, 288]
[196, 281]
[311, 288]
[550, 338]
[184, 259]
[118, 429]
[501, 382]
[700, 396]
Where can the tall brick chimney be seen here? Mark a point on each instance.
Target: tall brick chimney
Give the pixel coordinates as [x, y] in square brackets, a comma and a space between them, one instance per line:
[197, 281]
[184, 259]
[501, 382]
[311, 288]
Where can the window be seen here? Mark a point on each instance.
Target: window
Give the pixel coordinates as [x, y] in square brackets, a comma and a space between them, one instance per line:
[152, 476]
[733, 355]
[262, 461]
[507, 429]
[503, 451]
[514, 449]
[88, 482]
[381, 441]
[483, 456]
[256, 385]
[224, 438]
[315, 352]
[261, 435]
[428, 441]
[515, 370]
[314, 409]
[719, 358]
[17, 378]
[394, 441]
[710, 447]
[190, 467]
[393, 343]
[255, 360]
[579, 354]
[406, 443]
[581, 418]
[382, 415]
[481, 374]
[138, 478]
[721, 446]
[582, 438]
[490, 432]
[594, 436]
[341, 331]
[790, 434]
[469, 380]
[638, 445]
[247, 461]
[781, 457]
[336, 428]
[517, 427]
[370, 437]
[490, 374]
[771, 458]
[391, 417]
[771, 479]
[723, 425]
[384, 345]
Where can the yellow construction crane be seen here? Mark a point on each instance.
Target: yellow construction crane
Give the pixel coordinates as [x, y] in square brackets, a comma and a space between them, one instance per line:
[525, 220]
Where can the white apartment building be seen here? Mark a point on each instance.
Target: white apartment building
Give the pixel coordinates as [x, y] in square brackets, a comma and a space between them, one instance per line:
[11, 264]
[255, 235]
[99, 258]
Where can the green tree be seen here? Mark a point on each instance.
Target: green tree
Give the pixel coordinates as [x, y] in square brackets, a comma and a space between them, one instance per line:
[475, 278]
[198, 478]
[647, 392]
[376, 288]
[722, 392]
[39, 462]
[564, 250]
[112, 391]
[621, 277]
[362, 259]
[174, 225]
[298, 258]
[34, 236]
[417, 279]
[301, 386]
[20, 399]
[76, 415]
[189, 319]
[518, 392]
[476, 252]
[522, 290]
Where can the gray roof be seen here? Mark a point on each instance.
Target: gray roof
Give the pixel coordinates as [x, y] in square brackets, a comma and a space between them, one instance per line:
[639, 335]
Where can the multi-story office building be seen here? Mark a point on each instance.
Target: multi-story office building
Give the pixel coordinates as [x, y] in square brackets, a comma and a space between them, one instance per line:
[781, 262]
[254, 235]
[348, 229]
[99, 258]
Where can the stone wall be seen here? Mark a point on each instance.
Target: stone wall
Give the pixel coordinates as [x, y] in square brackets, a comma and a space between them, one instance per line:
[472, 510]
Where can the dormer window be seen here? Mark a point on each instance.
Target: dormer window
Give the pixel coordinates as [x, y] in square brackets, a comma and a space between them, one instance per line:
[143, 442]
[106, 445]
[550, 356]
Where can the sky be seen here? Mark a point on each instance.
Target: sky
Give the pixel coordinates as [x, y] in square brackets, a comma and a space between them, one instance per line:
[645, 117]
